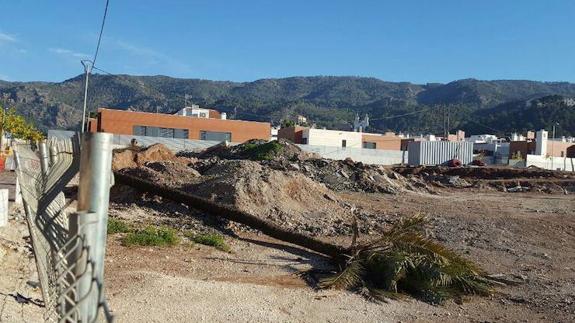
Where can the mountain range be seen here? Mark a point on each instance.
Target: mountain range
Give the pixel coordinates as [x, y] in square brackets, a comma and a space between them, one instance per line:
[477, 106]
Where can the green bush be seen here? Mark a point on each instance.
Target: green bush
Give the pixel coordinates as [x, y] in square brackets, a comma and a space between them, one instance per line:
[265, 151]
[210, 239]
[117, 226]
[152, 236]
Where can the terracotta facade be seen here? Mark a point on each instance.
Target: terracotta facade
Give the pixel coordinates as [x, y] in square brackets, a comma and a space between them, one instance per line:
[389, 141]
[123, 122]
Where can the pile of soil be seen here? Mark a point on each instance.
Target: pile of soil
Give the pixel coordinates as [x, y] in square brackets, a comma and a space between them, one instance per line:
[293, 200]
[136, 156]
[483, 172]
[256, 149]
[347, 175]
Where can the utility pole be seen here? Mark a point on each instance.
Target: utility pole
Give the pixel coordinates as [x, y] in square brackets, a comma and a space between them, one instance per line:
[87, 69]
[553, 144]
[448, 128]
[444, 123]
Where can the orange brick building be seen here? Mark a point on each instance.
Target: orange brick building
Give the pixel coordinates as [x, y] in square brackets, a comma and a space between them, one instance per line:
[177, 126]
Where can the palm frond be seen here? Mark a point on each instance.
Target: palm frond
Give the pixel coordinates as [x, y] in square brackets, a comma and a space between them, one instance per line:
[349, 277]
[404, 260]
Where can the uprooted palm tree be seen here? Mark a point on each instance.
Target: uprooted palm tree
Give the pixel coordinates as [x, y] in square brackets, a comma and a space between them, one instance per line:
[402, 260]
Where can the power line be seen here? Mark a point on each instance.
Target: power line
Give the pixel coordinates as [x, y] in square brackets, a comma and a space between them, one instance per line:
[401, 115]
[89, 65]
[101, 32]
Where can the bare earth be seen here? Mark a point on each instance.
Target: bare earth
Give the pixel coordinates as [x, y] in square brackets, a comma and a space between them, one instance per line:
[527, 237]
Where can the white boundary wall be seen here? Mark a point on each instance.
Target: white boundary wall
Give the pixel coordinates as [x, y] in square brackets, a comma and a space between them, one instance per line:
[552, 163]
[121, 141]
[367, 156]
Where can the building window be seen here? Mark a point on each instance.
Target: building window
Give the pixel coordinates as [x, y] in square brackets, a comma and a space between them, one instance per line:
[304, 141]
[181, 133]
[215, 136]
[139, 131]
[166, 133]
[369, 145]
[343, 143]
[160, 132]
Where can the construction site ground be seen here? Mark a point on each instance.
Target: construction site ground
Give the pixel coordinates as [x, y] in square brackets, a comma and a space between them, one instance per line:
[519, 225]
[527, 238]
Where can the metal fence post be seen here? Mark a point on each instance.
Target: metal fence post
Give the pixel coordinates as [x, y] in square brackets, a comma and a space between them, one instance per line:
[44, 157]
[53, 155]
[93, 200]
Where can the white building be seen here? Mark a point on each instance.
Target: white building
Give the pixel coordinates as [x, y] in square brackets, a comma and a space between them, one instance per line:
[482, 139]
[194, 111]
[274, 133]
[541, 142]
[331, 138]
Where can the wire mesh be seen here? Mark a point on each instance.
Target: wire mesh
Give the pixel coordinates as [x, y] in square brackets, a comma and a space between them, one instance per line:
[63, 256]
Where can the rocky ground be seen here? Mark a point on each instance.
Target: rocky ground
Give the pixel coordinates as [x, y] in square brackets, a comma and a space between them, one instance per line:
[20, 296]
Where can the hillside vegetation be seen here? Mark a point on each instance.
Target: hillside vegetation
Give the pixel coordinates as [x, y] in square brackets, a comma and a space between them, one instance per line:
[474, 105]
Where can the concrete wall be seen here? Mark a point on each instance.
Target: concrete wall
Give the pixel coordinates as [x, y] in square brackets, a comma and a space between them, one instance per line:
[552, 163]
[332, 138]
[559, 148]
[367, 156]
[122, 123]
[439, 152]
[121, 141]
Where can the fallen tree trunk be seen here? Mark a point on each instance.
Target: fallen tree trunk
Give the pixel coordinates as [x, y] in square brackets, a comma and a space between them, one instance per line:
[230, 213]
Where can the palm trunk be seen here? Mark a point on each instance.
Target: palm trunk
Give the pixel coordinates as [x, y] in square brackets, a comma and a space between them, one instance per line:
[230, 213]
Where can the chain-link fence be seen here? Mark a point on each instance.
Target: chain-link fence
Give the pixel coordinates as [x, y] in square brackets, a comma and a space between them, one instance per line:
[67, 244]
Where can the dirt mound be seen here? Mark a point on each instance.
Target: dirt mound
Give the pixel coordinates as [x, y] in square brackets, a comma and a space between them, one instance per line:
[259, 150]
[123, 159]
[291, 199]
[347, 175]
[166, 173]
[156, 152]
[483, 172]
[134, 156]
[287, 198]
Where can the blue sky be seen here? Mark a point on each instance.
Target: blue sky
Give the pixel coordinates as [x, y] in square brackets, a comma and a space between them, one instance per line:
[244, 40]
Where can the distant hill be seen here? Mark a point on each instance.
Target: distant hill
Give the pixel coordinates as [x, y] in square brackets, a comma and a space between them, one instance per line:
[525, 115]
[327, 101]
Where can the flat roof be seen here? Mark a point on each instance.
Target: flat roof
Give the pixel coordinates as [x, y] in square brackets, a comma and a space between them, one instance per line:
[179, 116]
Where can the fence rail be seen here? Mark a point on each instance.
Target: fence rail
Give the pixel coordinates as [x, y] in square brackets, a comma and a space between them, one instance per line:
[69, 259]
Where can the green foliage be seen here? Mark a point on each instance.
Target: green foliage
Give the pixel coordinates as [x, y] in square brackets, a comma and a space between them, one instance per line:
[18, 126]
[404, 261]
[520, 116]
[210, 239]
[117, 226]
[286, 123]
[152, 236]
[265, 151]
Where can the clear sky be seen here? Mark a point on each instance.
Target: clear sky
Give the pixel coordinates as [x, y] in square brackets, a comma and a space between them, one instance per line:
[243, 40]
